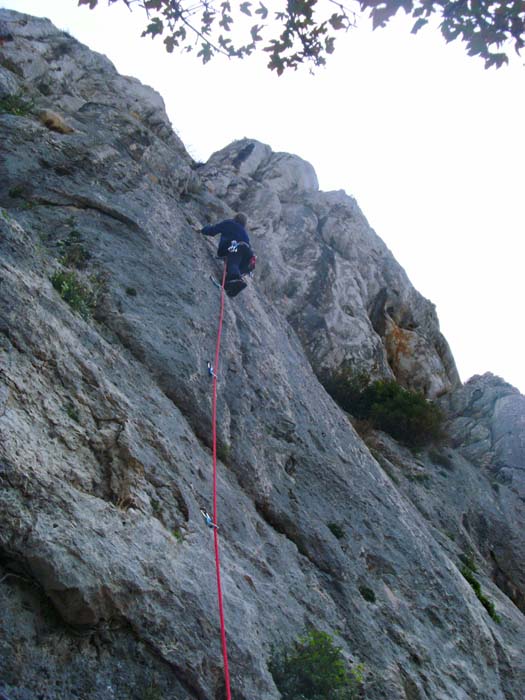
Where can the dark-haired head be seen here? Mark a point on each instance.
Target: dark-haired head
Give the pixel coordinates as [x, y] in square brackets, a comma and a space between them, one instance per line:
[241, 218]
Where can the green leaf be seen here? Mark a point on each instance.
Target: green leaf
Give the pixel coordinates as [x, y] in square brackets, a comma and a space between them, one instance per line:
[225, 22]
[206, 52]
[418, 24]
[261, 10]
[155, 27]
[338, 21]
[477, 45]
[449, 31]
[496, 59]
[207, 19]
[254, 31]
[153, 4]
[225, 42]
[276, 63]
[381, 15]
[170, 44]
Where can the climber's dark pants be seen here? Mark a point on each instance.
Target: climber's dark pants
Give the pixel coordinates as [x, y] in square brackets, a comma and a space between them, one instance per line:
[237, 264]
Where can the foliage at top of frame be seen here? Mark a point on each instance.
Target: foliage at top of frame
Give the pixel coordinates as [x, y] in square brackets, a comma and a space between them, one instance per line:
[304, 31]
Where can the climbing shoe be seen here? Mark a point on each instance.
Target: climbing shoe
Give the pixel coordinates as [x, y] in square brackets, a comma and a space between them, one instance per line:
[234, 286]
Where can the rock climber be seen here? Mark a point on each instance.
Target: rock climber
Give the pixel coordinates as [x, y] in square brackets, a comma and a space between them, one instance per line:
[234, 245]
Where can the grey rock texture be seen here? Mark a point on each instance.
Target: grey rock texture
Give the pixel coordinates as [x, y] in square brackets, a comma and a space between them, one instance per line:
[487, 428]
[329, 274]
[107, 584]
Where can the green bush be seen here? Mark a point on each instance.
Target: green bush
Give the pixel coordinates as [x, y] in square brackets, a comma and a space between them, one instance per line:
[346, 387]
[78, 295]
[313, 668]
[468, 574]
[406, 415]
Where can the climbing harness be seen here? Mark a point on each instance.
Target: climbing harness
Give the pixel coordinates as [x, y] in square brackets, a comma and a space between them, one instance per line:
[213, 520]
[235, 245]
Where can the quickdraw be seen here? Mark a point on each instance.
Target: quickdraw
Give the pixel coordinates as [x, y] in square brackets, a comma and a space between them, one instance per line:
[208, 519]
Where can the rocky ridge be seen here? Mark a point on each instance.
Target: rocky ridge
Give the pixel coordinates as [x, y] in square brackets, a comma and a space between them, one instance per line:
[106, 568]
[329, 274]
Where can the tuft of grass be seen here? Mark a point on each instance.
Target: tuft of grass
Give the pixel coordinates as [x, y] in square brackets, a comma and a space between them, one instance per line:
[468, 575]
[368, 594]
[152, 692]
[419, 477]
[224, 452]
[468, 561]
[16, 105]
[82, 298]
[155, 506]
[17, 192]
[72, 412]
[336, 530]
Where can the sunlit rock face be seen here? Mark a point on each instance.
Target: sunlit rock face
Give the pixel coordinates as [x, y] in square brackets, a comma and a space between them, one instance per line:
[107, 321]
[329, 274]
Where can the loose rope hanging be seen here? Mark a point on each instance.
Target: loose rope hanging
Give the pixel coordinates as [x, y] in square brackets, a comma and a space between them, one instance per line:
[215, 515]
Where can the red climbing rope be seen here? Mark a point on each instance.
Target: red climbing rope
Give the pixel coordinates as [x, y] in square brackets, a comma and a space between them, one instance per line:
[215, 518]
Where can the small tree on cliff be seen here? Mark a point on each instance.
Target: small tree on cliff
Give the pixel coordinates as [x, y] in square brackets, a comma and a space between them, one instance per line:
[406, 415]
[304, 31]
[314, 668]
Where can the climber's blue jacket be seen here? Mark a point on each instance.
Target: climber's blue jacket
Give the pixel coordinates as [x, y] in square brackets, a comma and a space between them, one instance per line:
[230, 230]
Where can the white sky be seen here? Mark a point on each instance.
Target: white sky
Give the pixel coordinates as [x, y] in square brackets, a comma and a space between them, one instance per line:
[431, 145]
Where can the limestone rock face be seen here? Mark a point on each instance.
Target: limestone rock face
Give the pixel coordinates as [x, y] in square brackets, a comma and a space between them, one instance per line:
[107, 322]
[488, 429]
[329, 274]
